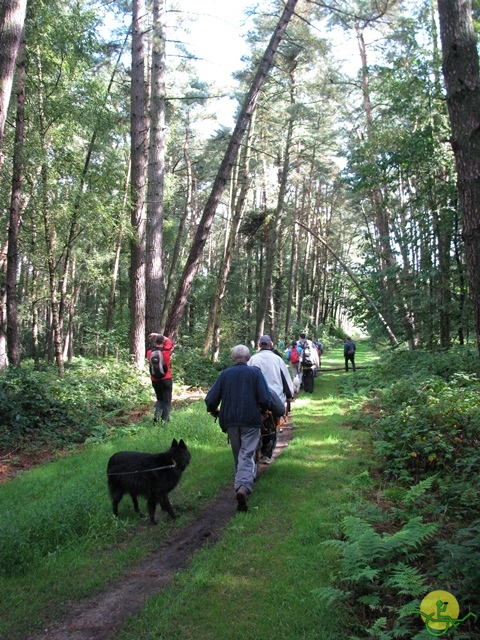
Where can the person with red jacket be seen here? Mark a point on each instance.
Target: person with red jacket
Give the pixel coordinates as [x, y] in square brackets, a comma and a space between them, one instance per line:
[162, 386]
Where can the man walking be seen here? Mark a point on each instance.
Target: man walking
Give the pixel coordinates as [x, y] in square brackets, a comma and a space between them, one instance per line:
[243, 396]
[274, 369]
[349, 348]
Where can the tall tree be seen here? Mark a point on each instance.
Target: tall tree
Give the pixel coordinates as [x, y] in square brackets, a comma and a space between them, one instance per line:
[13, 346]
[12, 20]
[156, 172]
[224, 172]
[138, 173]
[462, 82]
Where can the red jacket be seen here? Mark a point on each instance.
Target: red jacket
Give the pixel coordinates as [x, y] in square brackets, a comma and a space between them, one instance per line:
[166, 349]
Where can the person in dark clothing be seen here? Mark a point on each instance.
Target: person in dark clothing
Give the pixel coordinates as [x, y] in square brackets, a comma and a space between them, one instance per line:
[349, 348]
[243, 395]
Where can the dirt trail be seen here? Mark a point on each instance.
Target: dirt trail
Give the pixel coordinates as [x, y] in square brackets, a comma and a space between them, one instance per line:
[99, 617]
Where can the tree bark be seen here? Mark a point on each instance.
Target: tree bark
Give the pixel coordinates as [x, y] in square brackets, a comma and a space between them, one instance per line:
[156, 172]
[224, 172]
[12, 20]
[214, 321]
[139, 165]
[181, 227]
[13, 348]
[462, 82]
[3, 309]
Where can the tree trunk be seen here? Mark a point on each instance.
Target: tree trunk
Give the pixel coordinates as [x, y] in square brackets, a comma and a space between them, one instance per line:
[186, 212]
[224, 172]
[13, 347]
[3, 309]
[110, 320]
[387, 261]
[12, 20]
[156, 172]
[49, 227]
[462, 82]
[139, 165]
[213, 326]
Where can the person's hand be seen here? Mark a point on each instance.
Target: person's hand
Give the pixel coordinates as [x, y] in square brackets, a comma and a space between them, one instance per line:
[215, 413]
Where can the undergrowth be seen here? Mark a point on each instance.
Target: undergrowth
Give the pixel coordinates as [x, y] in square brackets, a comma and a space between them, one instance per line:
[40, 410]
[419, 528]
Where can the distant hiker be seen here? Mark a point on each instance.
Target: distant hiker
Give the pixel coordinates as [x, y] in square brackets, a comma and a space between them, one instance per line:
[301, 340]
[310, 363]
[349, 348]
[162, 384]
[293, 357]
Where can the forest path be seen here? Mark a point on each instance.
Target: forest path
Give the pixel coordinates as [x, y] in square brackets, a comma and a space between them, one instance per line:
[100, 616]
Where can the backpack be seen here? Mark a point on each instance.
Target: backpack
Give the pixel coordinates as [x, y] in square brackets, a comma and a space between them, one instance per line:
[294, 355]
[307, 361]
[158, 368]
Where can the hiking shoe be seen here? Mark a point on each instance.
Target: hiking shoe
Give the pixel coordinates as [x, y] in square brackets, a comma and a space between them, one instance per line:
[242, 499]
[266, 460]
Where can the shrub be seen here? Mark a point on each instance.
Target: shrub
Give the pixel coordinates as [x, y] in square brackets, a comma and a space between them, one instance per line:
[37, 408]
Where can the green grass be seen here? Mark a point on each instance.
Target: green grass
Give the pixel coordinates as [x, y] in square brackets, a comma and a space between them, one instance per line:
[261, 579]
[59, 540]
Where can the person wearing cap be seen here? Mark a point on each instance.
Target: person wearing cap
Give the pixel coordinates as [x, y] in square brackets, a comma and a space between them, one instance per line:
[243, 396]
[275, 371]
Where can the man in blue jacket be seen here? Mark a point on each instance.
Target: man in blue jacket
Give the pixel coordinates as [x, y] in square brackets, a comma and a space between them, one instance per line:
[243, 395]
[349, 348]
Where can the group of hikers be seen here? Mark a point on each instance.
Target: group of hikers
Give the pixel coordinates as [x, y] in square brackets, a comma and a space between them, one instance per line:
[304, 356]
[245, 393]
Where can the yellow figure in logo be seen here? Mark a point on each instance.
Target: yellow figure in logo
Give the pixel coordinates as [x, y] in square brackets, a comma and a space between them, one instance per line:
[440, 611]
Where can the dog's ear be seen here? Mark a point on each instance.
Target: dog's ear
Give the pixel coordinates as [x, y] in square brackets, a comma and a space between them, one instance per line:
[174, 443]
[182, 444]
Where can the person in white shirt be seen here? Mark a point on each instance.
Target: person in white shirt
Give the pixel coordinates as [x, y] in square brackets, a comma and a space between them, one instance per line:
[273, 367]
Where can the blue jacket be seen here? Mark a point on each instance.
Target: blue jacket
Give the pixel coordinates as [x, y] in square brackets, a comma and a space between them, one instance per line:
[349, 348]
[243, 393]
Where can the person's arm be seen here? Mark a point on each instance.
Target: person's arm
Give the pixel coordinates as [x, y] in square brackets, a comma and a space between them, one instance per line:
[263, 392]
[213, 397]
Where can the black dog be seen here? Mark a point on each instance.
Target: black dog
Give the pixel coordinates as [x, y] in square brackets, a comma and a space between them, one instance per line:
[151, 475]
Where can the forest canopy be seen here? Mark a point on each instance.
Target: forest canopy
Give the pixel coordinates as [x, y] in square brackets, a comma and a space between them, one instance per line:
[344, 196]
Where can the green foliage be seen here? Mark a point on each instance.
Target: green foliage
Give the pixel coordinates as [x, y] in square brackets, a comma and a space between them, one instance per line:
[425, 419]
[378, 570]
[194, 370]
[422, 412]
[459, 564]
[37, 408]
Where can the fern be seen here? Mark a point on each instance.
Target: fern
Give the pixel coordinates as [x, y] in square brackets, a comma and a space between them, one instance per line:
[331, 595]
[418, 490]
[411, 536]
[406, 580]
[373, 601]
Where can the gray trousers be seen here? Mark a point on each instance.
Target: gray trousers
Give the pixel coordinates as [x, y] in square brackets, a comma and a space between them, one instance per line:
[244, 441]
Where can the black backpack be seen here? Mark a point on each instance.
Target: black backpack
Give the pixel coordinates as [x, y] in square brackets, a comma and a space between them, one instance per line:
[158, 368]
[307, 361]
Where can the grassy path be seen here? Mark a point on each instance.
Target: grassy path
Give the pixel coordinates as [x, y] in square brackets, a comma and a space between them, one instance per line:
[59, 543]
[262, 579]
